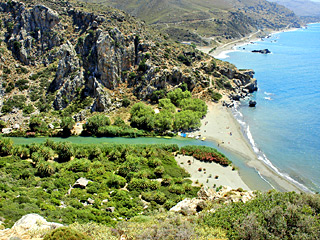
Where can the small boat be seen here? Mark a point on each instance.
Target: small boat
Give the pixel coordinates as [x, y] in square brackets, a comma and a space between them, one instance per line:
[204, 138]
[197, 137]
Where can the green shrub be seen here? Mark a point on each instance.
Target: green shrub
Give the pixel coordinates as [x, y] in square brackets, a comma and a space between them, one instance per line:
[65, 233]
[205, 153]
[177, 95]
[6, 146]
[142, 116]
[125, 102]
[67, 124]
[36, 124]
[92, 125]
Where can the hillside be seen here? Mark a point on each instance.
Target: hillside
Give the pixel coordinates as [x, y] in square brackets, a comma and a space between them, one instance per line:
[208, 22]
[63, 59]
[304, 8]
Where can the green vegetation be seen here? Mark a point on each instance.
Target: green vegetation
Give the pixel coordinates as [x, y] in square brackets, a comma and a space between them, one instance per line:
[17, 101]
[65, 233]
[42, 184]
[204, 153]
[67, 124]
[271, 215]
[215, 95]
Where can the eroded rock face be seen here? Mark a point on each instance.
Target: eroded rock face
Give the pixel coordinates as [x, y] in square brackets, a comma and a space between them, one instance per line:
[206, 195]
[31, 32]
[69, 78]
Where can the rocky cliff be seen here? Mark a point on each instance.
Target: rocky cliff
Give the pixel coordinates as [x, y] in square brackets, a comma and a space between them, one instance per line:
[67, 54]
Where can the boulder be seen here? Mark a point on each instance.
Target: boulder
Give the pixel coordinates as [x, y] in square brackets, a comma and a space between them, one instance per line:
[81, 183]
[110, 209]
[252, 103]
[188, 206]
[28, 223]
[263, 51]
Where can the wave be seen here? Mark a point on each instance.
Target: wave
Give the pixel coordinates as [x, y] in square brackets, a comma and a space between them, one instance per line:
[268, 98]
[260, 154]
[269, 94]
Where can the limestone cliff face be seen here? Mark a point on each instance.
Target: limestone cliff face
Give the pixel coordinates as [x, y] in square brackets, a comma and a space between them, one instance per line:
[98, 52]
[31, 32]
[69, 77]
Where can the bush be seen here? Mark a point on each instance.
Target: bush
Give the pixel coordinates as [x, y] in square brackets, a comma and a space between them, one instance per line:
[37, 125]
[142, 116]
[65, 233]
[271, 215]
[93, 123]
[67, 124]
[177, 95]
[205, 153]
[125, 102]
[6, 146]
[65, 151]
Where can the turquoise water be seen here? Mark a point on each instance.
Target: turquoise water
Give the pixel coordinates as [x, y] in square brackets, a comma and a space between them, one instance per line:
[285, 125]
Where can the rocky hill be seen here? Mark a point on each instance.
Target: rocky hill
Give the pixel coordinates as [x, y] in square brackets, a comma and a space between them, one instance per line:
[208, 22]
[305, 8]
[66, 56]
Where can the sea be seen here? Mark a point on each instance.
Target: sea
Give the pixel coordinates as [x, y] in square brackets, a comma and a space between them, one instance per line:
[284, 127]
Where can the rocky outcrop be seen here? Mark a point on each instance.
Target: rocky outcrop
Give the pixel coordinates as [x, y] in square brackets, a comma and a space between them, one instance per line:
[207, 195]
[252, 103]
[69, 77]
[263, 51]
[31, 32]
[29, 223]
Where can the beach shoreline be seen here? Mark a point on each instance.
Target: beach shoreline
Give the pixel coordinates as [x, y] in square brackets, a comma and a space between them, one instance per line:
[221, 127]
[222, 50]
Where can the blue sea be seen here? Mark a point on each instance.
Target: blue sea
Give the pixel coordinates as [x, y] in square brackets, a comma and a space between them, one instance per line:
[284, 128]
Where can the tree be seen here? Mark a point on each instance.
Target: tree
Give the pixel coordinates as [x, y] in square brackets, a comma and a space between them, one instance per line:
[166, 104]
[45, 169]
[65, 151]
[67, 124]
[177, 95]
[194, 104]
[163, 121]
[6, 146]
[142, 116]
[186, 120]
[93, 123]
[37, 125]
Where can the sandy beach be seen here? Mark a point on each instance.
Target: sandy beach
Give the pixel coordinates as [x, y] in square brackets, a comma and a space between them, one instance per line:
[222, 50]
[220, 126]
[212, 174]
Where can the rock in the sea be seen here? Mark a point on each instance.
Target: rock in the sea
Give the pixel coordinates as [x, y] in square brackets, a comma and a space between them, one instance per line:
[252, 103]
[263, 51]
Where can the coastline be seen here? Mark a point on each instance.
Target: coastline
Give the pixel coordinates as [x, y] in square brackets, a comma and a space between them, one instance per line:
[222, 50]
[220, 126]
[220, 121]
